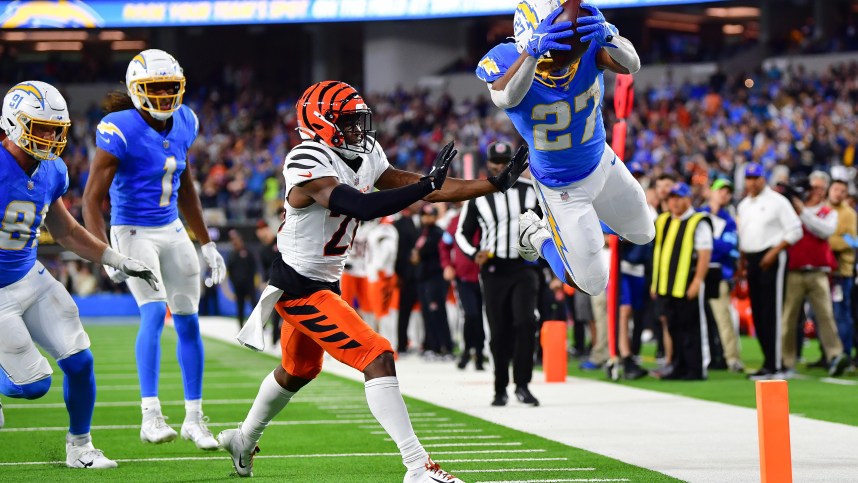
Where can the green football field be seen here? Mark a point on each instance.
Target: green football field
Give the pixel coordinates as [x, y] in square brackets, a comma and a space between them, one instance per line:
[326, 434]
[812, 394]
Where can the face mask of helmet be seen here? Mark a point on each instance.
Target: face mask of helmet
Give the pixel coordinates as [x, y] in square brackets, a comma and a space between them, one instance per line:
[356, 132]
[159, 96]
[43, 140]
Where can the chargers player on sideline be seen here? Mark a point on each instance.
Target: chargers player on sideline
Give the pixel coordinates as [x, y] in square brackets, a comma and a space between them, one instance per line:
[35, 308]
[559, 113]
[142, 157]
[330, 178]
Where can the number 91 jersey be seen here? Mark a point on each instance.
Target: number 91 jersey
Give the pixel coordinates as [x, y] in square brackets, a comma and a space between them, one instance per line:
[145, 187]
[313, 240]
[24, 201]
[562, 125]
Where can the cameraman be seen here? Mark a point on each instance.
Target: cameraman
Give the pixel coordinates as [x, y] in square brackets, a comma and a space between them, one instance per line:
[811, 261]
[767, 226]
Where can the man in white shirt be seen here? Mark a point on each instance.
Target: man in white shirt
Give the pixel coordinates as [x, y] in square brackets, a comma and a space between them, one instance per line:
[811, 262]
[683, 248]
[767, 225]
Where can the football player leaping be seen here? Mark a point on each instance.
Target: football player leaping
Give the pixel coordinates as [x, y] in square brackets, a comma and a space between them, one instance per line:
[329, 190]
[559, 113]
[142, 157]
[35, 308]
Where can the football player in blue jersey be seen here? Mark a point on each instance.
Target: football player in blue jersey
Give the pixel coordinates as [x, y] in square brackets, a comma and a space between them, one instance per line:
[141, 156]
[34, 307]
[558, 111]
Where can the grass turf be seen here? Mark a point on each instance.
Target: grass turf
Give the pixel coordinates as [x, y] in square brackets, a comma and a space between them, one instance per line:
[329, 417]
[809, 395]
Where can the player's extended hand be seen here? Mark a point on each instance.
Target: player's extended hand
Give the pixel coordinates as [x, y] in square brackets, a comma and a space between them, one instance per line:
[547, 34]
[595, 28]
[135, 268]
[115, 276]
[214, 261]
[513, 170]
[438, 175]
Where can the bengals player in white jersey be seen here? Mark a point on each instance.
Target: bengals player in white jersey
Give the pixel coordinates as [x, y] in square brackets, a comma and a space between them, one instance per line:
[330, 178]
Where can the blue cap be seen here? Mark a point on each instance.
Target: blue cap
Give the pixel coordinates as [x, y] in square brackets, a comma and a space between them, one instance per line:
[636, 167]
[680, 189]
[753, 170]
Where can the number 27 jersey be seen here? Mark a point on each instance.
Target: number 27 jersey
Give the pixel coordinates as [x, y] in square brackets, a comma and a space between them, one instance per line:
[313, 240]
[562, 125]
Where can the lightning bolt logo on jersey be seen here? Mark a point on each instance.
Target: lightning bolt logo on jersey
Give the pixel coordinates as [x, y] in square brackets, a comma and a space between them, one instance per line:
[562, 124]
[146, 184]
[24, 202]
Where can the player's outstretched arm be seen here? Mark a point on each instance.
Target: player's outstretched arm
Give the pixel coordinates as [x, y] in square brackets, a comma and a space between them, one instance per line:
[455, 189]
[101, 175]
[617, 53]
[508, 91]
[70, 234]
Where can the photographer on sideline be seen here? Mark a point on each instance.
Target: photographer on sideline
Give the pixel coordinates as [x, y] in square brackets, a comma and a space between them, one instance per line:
[811, 261]
[767, 226]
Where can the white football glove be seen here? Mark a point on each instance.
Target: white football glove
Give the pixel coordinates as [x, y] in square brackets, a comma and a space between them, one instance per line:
[115, 275]
[214, 261]
[120, 267]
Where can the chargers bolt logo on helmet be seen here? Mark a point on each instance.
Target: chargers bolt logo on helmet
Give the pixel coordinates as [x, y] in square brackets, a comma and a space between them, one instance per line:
[35, 117]
[156, 83]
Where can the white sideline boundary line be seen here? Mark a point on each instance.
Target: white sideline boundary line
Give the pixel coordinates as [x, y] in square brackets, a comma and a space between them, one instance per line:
[223, 457]
[118, 404]
[501, 470]
[211, 425]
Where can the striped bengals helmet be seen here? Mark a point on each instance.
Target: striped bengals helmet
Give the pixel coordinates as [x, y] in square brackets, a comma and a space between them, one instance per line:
[328, 109]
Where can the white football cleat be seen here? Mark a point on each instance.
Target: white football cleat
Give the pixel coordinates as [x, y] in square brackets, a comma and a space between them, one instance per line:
[430, 473]
[196, 430]
[532, 233]
[84, 455]
[239, 449]
[155, 430]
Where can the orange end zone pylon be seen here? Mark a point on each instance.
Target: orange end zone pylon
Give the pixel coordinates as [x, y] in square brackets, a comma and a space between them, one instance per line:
[773, 428]
[553, 339]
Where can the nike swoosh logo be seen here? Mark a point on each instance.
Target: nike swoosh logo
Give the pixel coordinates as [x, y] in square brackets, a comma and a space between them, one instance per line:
[436, 479]
[178, 229]
[85, 465]
[614, 161]
[308, 175]
[241, 463]
[41, 271]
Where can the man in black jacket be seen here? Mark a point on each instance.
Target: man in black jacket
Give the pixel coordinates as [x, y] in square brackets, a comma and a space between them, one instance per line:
[432, 288]
[405, 274]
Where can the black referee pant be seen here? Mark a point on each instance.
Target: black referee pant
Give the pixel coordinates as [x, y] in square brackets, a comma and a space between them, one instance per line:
[686, 323]
[766, 289]
[510, 300]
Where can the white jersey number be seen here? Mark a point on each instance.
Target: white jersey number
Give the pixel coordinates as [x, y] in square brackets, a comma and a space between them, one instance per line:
[562, 112]
[167, 180]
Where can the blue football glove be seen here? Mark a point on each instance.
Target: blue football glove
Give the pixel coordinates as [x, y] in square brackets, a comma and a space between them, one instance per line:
[595, 28]
[546, 35]
[850, 240]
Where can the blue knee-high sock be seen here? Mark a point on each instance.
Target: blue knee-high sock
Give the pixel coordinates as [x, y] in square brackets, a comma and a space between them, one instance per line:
[190, 353]
[33, 390]
[552, 256]
[79, 390]
[149, 346]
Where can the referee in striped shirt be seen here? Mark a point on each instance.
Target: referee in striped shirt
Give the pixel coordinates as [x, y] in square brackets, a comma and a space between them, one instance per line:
[510, 284]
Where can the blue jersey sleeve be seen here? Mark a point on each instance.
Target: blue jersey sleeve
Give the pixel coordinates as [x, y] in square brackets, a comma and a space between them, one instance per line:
[109, 136]
[495, 63]
[62, 184]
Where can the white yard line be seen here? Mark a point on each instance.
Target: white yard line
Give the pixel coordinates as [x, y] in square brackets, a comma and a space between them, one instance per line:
[501, 470]
[561, 480]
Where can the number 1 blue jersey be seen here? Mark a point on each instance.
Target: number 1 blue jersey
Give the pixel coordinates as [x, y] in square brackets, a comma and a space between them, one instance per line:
[25, 201]
[146, 184]
[562, 125]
